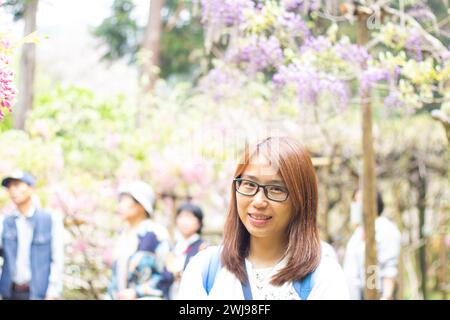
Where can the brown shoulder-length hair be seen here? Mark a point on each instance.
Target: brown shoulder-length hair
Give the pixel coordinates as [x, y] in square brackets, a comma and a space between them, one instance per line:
[296, 169]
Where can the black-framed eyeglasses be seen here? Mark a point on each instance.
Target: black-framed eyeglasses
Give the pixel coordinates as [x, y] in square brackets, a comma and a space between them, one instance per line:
[250, 188]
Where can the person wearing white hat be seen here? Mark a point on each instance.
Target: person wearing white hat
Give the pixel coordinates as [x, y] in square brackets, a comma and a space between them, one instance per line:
[141, 249]
[141, 194]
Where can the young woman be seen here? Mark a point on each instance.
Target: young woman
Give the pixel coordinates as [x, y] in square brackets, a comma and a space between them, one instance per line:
[271, 247]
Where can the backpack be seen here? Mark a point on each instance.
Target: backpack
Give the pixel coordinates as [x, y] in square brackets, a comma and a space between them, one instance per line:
[302, 287]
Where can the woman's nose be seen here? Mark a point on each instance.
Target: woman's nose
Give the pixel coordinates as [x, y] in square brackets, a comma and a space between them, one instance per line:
[259, 199]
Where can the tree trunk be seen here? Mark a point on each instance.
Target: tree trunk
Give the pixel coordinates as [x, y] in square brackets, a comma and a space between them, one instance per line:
[149, 55]
[369, 181]
[27, 68]
[151, 43]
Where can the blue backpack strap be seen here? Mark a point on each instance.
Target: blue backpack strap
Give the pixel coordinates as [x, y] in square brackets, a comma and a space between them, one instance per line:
[303, 287]
[246, 289]
[210, 271]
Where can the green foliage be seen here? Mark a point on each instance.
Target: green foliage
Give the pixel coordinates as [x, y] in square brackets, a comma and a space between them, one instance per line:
[82, 125]
[181, 39]
[120, 32]
[181, 49]
[7, 123]
[16, 7]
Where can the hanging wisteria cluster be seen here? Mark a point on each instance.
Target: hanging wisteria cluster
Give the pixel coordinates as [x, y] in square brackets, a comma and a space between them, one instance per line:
[276, 39]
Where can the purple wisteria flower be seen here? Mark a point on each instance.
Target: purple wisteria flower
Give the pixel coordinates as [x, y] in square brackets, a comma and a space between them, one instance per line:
[310, 85]
[257, 54]
[294, 25]
[300, 5]
[353, 54]
[222, 82]
[216, 78]
[413, 46]
[338, 89]
[421, 12]
[292, 5]
[224, 12]
[370, 77]
[318, 44]
[393, 100]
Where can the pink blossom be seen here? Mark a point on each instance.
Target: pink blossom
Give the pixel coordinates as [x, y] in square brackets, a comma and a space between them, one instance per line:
[7, 89]
[107, 255]
[194, 171]
[164, 179]
[128, 171]
[112, 141]
[6, 44]
[6, 104]
[80, 246]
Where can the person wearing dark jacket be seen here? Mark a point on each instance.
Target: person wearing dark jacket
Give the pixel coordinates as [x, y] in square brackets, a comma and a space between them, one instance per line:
[31, 243]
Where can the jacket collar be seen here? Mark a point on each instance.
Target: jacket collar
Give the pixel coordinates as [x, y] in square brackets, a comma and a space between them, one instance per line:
[28, 215]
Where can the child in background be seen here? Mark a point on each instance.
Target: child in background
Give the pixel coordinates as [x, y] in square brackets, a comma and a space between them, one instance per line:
[189, 222]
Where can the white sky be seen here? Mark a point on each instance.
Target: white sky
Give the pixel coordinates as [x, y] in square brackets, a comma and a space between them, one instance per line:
[63, 12]
[86, 12]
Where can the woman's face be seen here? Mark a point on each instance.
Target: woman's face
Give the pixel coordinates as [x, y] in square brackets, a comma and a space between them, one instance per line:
[129, 209]
[187, 223]
[263, 217]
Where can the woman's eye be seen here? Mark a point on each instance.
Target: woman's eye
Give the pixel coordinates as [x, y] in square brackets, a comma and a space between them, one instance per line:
[277, 190]
[248, 184]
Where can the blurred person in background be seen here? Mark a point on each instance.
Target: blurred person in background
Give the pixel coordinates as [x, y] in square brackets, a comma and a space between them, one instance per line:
[189, 223]
[32, 244]
[388, 241]
[328, 251]
[141, 250]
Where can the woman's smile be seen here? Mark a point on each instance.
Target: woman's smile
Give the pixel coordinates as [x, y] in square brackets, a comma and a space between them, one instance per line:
[259, 220]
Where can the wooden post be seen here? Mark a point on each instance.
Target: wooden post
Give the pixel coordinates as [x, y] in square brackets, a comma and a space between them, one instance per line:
[421, 185]
[325, 203]
[369, 181]
[443, 253]
[401, 261]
